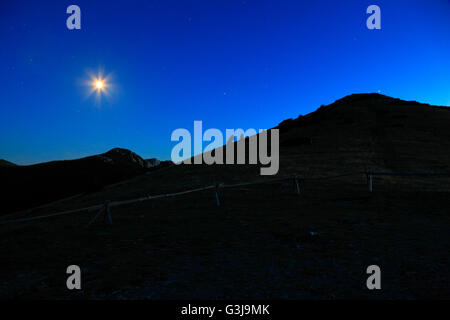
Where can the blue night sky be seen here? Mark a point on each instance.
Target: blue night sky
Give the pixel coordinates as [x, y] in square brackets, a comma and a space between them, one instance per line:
[231, 64]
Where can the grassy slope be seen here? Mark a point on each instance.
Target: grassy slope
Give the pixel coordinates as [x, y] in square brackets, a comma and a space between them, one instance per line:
[258, 244]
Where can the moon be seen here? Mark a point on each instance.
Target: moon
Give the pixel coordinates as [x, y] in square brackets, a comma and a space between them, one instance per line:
[99, 84]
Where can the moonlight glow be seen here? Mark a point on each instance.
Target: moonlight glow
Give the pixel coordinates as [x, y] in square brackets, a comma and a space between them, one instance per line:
[99, 85]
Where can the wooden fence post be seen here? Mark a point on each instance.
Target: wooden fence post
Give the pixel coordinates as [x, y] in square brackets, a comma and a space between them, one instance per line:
[296, 184]
[216, 191]
[107, 214]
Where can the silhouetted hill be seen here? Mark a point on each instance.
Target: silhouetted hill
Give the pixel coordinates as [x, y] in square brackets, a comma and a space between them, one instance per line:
[363, 132]
[4, 163]
[356, 133]
[369, 131]
[264, 241]
[28, 186]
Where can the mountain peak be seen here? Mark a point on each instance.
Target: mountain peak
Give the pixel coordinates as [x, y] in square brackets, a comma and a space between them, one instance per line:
[121, 151]
[358, 97]
[368, 99]
[125, 156]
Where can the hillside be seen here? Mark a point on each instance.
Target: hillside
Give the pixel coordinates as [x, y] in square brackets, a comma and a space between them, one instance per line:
[263, 241]
[4, 163]
[28, 186]
[370, 131]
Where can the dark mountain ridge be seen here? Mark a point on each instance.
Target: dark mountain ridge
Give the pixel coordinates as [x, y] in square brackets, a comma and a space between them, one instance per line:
[28, 186]
[264, 241]
[358, 132]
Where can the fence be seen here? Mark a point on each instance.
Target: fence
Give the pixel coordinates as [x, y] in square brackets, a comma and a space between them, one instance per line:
[105, 208]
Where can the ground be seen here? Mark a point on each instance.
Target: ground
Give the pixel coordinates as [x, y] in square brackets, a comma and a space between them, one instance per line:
[264, 241]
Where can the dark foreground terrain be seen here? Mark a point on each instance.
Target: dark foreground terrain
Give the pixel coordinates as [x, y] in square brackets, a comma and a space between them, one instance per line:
[264, 241]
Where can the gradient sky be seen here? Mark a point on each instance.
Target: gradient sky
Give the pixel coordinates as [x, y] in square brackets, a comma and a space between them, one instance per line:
[232, 64]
